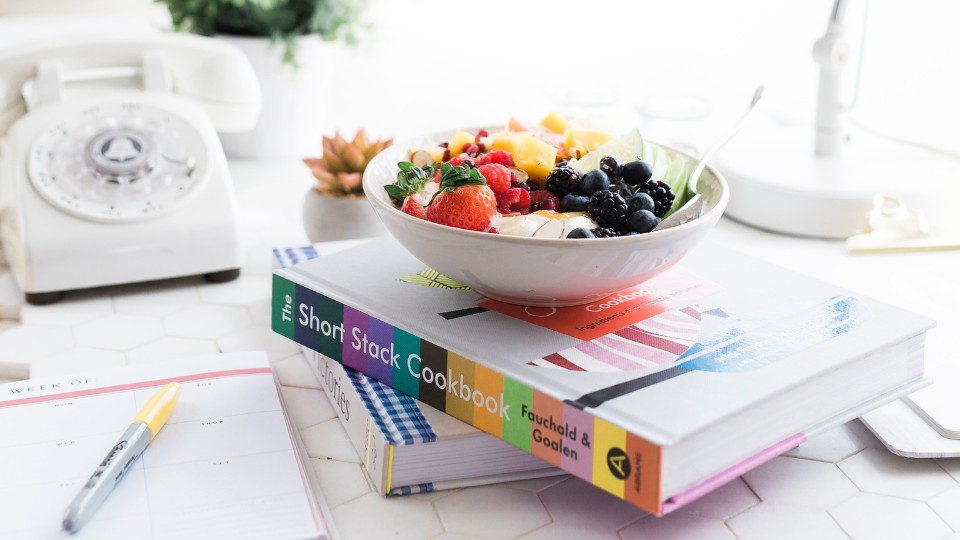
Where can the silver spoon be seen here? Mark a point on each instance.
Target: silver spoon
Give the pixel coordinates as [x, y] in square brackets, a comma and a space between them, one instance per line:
[692, 209]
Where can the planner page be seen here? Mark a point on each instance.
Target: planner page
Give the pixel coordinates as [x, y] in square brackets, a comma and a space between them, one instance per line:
[226, 464]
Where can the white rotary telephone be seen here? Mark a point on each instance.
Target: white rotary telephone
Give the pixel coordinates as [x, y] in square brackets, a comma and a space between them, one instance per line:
[110, 167]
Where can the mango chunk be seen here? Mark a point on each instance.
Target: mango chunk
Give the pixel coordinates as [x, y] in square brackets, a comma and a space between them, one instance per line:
[459, 140]
[581, 141]
[506, 141]
[555, 123]
[536, 158]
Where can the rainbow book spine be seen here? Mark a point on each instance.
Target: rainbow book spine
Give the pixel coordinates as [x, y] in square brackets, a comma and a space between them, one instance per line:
[555, 431]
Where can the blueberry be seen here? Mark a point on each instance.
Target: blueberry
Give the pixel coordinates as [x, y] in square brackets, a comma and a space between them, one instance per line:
[640, 201]
[642, 221]
[636, 172]
[594, 181]
[611, 166]
[581, 232]
[575, 202]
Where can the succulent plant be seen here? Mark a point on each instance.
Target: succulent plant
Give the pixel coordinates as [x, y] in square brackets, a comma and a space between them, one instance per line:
[340, 171]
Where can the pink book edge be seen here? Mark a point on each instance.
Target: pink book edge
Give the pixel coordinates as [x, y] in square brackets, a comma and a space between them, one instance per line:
[735, 471]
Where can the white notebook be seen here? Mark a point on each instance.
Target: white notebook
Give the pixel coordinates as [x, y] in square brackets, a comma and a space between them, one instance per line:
[227, 464]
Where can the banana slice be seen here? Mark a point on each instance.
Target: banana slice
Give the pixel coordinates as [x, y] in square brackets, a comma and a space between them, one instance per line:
[542, 224]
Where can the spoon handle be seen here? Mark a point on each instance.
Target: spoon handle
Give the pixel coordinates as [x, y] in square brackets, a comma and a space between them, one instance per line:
[692, 209]
[698, 170]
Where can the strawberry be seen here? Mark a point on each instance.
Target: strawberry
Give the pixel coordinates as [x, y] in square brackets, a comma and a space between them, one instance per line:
[467, 207]
[412, 206]
[497, 176]
[464, 200]
[497, 156]
[410, 180]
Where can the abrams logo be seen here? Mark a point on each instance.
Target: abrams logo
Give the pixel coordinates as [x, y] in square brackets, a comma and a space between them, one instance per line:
[618, 463]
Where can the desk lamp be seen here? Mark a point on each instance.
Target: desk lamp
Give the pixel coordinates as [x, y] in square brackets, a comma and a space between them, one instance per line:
[821, 179]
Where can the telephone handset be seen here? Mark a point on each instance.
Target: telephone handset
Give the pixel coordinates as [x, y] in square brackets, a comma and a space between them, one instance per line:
[110, 167]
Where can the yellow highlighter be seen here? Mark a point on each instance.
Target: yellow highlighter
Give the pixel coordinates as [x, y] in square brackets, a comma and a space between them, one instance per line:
[124, 453]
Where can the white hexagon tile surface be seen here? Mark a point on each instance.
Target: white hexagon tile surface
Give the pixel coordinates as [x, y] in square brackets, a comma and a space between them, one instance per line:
[842, 484]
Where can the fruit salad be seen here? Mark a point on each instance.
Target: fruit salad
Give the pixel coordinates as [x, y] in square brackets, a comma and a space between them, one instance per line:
[548, 180]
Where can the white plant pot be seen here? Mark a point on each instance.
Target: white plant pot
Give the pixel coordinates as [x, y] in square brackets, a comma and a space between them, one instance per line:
[339, 218]
[295, 98]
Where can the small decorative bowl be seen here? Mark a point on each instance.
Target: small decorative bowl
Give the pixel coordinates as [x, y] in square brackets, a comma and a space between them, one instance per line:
[550, 272]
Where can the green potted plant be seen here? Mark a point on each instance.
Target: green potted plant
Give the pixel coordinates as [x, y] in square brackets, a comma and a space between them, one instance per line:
[280, 20]
[293, 45]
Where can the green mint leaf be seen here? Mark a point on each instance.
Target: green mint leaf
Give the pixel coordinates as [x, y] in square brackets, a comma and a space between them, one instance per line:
[410, 180]
[396, 192]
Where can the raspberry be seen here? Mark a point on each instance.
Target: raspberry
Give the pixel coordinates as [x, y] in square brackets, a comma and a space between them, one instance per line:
[463, 159]
[514, 200]
[498, 176]
[543, 200]
[497, 156]
[608, 209]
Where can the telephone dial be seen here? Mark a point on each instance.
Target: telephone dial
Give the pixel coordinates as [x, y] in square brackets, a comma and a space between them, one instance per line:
[110, 167]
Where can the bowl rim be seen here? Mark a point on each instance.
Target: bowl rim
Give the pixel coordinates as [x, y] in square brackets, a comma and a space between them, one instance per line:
[384, 203]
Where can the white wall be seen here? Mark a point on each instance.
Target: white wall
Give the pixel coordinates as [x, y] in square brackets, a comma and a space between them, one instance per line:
[478, 62]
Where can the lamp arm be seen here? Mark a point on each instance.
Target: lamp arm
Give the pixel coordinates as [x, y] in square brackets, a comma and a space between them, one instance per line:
[831, 52]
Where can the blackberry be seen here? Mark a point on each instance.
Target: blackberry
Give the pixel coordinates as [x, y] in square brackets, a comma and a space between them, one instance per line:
[661, 194]
[612, 167]
[636, 172]
[605, 232]
[563, 180]
[608, 209]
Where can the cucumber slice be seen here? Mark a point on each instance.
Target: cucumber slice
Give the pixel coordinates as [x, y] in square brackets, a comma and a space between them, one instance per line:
[679, 181]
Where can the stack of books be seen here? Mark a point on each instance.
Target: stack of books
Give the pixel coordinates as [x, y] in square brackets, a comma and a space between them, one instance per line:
[658, 394]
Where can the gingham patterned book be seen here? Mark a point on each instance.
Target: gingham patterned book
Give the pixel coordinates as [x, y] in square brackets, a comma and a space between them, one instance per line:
[408, 447]
[656, 394]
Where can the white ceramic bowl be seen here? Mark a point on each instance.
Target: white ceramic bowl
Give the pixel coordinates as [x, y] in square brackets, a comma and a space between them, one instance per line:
[538, 271]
